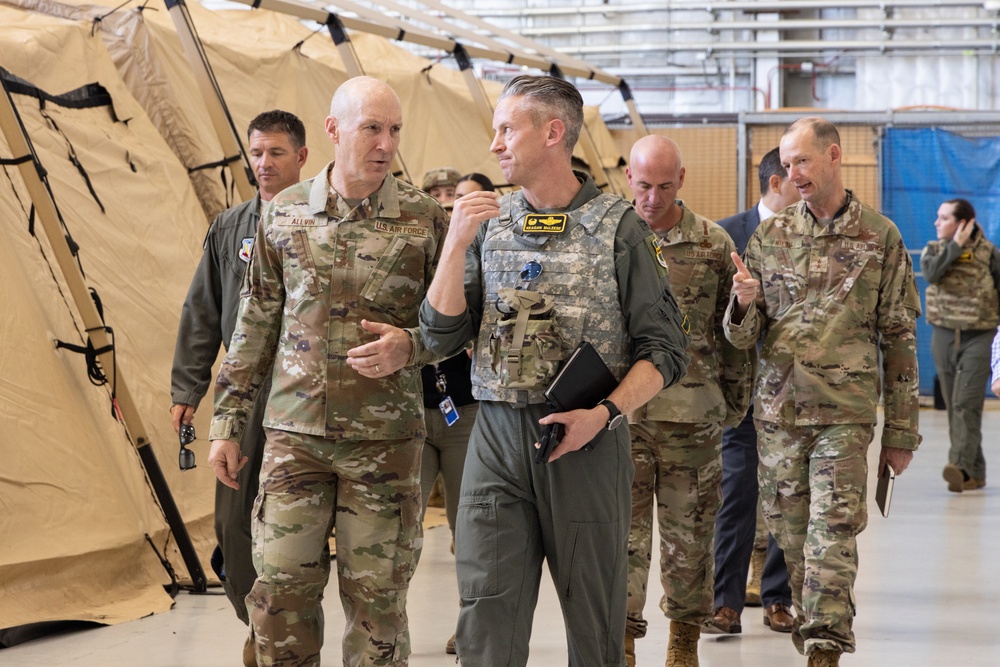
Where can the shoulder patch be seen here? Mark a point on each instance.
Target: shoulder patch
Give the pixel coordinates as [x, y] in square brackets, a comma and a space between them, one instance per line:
[653, 243]
[544, 223]
[246, 245]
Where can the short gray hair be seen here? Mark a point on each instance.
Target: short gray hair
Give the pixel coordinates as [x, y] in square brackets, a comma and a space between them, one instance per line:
[552, 97]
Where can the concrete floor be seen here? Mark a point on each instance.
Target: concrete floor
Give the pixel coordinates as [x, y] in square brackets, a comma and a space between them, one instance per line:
[928, 592]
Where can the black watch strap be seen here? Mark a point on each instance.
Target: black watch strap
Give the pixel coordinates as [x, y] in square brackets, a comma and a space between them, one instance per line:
[615, 417]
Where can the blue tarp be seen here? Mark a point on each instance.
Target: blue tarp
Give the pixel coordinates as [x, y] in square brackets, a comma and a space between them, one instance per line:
[921, 168]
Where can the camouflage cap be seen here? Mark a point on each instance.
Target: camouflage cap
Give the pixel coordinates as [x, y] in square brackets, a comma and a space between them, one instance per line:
[441, 176]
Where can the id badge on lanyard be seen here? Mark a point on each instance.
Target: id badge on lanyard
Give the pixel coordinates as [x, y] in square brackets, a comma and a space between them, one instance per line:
[446, 406]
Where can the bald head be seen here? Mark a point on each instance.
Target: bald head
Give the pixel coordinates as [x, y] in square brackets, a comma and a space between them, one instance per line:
[354, 93]
[365, 121]
[656, 174]
[655, 147]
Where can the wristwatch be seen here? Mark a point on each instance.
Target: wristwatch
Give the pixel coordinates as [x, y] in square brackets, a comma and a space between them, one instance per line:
[616, 415]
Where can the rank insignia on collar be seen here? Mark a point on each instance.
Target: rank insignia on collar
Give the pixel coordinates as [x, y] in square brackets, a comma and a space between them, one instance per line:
[544, 223]
[246, 245]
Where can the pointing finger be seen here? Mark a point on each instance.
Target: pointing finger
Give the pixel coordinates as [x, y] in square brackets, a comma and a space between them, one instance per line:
[742, 273]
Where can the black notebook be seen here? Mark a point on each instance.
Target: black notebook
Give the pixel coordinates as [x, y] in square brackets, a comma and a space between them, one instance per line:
[883, 492]
[582, 382]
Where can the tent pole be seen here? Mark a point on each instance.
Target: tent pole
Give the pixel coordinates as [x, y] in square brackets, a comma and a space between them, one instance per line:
[33, 176]
[338, 33]
[633, 111]
[479, 97]
[229, 136]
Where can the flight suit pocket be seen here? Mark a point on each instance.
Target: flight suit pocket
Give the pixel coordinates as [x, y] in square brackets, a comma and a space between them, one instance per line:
[589, 554]
[476, 546]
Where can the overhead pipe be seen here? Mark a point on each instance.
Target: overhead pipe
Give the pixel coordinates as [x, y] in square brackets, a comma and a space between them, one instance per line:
[560, 58]
[991, 46]
[749, 6]
[883, 25]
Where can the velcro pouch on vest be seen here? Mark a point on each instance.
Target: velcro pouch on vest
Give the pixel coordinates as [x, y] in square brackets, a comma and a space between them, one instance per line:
[526, 347]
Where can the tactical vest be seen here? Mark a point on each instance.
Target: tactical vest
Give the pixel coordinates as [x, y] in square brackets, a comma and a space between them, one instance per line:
[574, 298]
[960, 300]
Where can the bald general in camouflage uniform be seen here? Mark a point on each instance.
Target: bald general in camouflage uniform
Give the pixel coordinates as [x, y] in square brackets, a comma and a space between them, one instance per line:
[677, 437]
[340, 263]
[830, 284]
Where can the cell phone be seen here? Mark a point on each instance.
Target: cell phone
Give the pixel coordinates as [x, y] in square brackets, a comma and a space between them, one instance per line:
[550, 438]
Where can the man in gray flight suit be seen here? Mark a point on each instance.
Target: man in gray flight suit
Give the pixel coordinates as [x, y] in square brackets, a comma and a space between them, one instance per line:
[557, 263]
[277, 153]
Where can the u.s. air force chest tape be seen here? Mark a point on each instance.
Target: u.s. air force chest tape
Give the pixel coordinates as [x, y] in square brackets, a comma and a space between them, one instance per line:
[525, 347]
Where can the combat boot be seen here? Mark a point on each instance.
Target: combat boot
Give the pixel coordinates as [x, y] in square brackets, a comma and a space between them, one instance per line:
[824, 658]
[250, 652]
[629, 650]
[682, 647]
[757, 558]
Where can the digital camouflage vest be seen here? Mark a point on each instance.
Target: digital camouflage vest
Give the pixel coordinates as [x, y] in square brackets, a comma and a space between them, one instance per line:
[965, 298]
[527, 332]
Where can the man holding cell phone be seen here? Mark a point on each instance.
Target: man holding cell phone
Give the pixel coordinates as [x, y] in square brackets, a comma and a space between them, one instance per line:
[529, 276]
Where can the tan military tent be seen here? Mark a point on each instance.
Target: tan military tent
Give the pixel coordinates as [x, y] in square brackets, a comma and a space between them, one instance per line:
[134, 166]
[76, 508]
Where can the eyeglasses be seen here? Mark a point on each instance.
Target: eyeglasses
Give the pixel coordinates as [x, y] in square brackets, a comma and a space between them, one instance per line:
[529, 272]
[185, 458]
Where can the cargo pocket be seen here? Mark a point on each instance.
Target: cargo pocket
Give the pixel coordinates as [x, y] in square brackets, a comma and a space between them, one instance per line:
[303, 282]
[850, 278]
[397, 280]
[476, 546]
[846, 514]
[257, 531]
[710, 486]
[408, 540]
[383, 268]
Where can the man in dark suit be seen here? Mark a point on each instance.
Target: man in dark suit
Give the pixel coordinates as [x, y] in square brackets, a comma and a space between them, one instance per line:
[736, 521]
